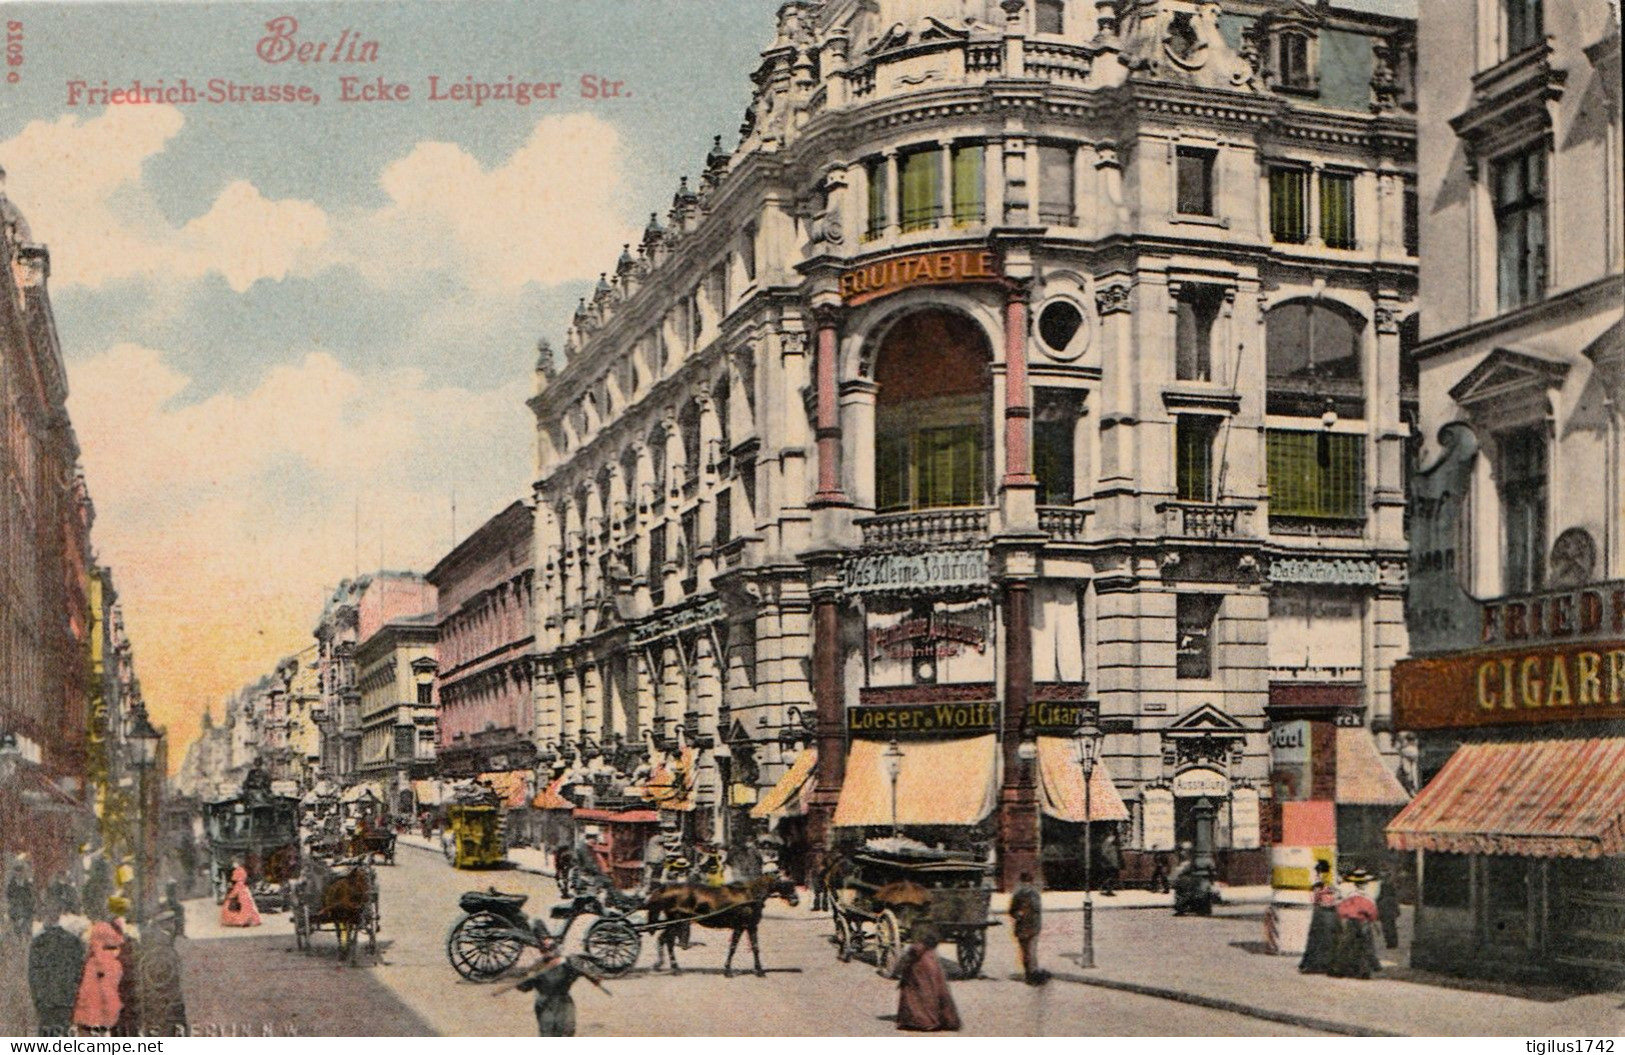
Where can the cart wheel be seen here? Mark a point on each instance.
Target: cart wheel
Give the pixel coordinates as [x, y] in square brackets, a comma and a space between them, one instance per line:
[888, 942]
[972, 945]
[482, 945]
[843, 939]
[613, 944]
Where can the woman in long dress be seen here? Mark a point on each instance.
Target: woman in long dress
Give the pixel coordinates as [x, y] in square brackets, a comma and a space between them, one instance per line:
[239, 909]
[923, 1001]
[1356, 953]
[98, 1004]
[1317, 953]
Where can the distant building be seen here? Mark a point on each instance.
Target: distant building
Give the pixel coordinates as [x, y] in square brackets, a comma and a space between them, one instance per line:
[395, 667]
[1517, 577]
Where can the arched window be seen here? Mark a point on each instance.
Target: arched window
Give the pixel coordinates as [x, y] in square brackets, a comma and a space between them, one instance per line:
[688, 426]
[1410, 371]
[931, 413]
[1312, 351]
[657, 464]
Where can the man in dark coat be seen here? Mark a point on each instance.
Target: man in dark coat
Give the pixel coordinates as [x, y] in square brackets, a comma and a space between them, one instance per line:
[1388, 911]
[20, 895]
[923, 1001]
[551, 980]
[56, 961]
[1111, 864]
[1027, 918]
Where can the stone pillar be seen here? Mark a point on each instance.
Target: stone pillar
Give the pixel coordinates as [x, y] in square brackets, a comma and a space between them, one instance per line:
[592, 703]
[1018, 808]
[830, 492]
[829, 706]
[1018, 411]
[646, 703]
[570, 713]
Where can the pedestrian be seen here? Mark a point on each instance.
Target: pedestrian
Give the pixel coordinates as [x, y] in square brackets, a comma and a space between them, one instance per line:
[64, 895]
[1159, 873]
[1191, 891]
[98, 887]
[654, 860]
[97, 1006]
[1027, 917]
[1388, 910]
[239, 909]
[187, 854]
[129, 959]
[56, 962]
[162, 1004]
[551, 980]
[1355, 955]
[20, 895]
[924, 1003]
[563, 863]
[1111, 864]
[1317, 951]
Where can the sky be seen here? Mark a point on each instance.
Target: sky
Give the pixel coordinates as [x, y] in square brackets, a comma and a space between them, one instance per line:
[294, 333]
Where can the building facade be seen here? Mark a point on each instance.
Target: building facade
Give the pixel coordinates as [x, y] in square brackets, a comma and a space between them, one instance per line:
[1027, 367]
[1517, 606]
[395, 667]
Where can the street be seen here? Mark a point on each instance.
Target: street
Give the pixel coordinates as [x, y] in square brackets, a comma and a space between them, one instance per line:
[255, 981]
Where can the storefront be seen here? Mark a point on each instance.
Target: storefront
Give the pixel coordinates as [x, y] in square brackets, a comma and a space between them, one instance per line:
[929, 770]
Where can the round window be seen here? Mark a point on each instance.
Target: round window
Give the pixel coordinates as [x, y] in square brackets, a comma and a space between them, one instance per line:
[1060, 326]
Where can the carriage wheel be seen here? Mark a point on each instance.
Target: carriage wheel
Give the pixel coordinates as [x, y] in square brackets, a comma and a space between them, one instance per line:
[843, 939]
[482, 945]
[972, 946]
[888, 942]
[613, 944]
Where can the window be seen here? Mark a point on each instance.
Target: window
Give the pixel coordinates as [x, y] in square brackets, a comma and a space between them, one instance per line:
[1055, 425]
[931, 413]
[1049, 16]
[919, 191]
[1526, 26]
[1193, 650]
[1412, 219]
[968, 185]
[1195, 178]
[725, 519]
[1193, 457]
[1056, 184]
[1316, 474]
[875, 176]
[1058, 324]
[1337, 209]
[1198, 306]
[1312, 350]
[425, 693]
[657, 563]
[1522, 482]
[1520, 225]
[1289, 205]
[1292, 61]
[747, 252]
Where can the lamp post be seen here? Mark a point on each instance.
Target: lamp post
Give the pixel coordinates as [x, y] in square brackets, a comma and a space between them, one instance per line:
[1088, 737]
[143, 740]
[894, 769]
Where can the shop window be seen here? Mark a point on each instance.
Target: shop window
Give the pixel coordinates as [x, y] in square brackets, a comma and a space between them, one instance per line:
[1525, 24]
[1319, 474]
[1057, 184]
[1195, 616]
[1049, 16]
[1195, 181]
[1520, 227]
[931, 413]
[874, 171]
[1337, 210]
[1446, 880]
[919, 188]
[1197, 308]
[1289, 204]
[1193, 457]
[1055, 425]
[969, 185]
[1521, 478]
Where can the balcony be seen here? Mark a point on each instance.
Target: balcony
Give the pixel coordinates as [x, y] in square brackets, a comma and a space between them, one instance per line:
[1204, 520]
[1317, 527]
[928, 527]
[1063, 523]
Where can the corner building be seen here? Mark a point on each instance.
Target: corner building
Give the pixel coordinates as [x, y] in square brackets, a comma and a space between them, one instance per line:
[1027, 365]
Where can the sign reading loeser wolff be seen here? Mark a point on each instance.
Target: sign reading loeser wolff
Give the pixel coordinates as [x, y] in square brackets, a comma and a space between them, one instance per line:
[883, 720]
[881, 278]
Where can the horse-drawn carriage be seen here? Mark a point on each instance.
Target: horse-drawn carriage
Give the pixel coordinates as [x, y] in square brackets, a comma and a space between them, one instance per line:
[494, 930]
[258, 831]
[474, 836]
[341, 897]
[882, 895]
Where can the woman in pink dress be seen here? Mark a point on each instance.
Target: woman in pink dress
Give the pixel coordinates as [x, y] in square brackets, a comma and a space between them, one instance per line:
[239, 909]
[98, 1004]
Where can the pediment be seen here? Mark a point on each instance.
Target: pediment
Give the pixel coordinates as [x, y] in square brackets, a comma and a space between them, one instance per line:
[1205, 720]
[927, 30]
[1507, 373]
[1294, 13]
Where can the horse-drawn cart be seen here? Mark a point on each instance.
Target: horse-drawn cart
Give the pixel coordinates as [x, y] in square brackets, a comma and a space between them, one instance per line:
[494, 930]
[258, 831]
[342, 898]
[882, 895]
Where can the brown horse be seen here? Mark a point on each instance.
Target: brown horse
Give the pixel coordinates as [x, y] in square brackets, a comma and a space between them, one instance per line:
[346, 900]
[737, 907]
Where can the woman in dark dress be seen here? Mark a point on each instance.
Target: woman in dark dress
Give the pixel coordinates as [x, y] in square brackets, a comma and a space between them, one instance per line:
[1356, 953]
[1317, 953]
[923, 1001]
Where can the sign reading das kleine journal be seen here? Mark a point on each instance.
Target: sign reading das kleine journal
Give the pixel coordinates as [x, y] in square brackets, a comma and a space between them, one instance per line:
[877, 572]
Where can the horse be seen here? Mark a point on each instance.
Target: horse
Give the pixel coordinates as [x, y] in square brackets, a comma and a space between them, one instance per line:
[737, 907]
[346, 900]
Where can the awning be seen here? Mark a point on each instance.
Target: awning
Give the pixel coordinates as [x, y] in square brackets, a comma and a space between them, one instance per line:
[360, 793]
[671, 783]
[512, 787]
[785, 790]
[428, 792]
[1543, 798]
[552, 798]
[940, 782]
[1363, 778]
[1060, 784]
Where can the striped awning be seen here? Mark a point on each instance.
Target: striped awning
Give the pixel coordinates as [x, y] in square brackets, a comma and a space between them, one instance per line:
[552, 796]
[1544, 798]
[1363, 778]
[360, 792]
[1060, 785]
[779, 798]
[512, 786]
[671, 783]
[939, 782]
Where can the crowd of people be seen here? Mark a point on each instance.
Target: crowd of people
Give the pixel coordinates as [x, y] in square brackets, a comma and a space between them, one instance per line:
[1343, 928]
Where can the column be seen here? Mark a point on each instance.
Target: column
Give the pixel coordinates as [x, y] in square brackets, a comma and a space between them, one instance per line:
[829, 707]
[570, 715]
[1018, 424]
[1018, 811]
[830, 492]
[592, 704]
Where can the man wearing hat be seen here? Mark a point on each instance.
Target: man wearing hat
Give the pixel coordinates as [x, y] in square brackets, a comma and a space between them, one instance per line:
[55, 962]
[1355, 955]
[1317, 952]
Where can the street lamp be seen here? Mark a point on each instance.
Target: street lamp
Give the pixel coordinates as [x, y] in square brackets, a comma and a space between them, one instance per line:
[1088, 737]
[143, 740]
[894, 769]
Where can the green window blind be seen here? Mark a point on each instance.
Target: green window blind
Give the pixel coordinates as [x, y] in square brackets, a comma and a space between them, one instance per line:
[1193, 459]
[1289, 205]
[1337, 210]
[1316, 474]
[968, 185]
[876, 171]
[919, 174]
[891, 473]
[949, 463]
